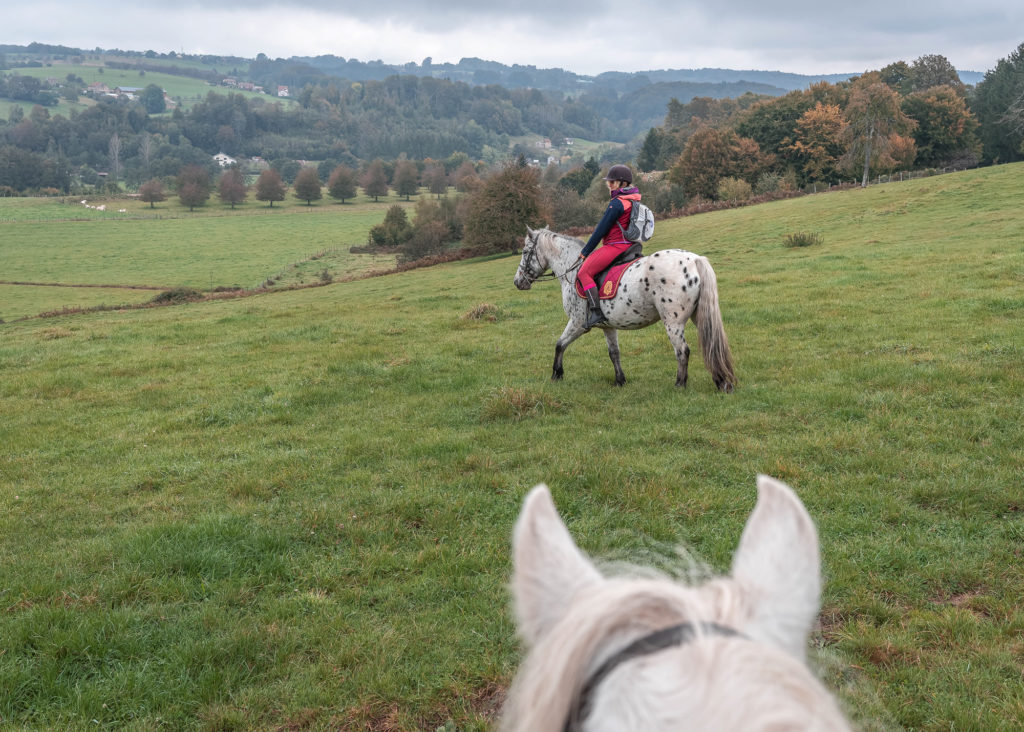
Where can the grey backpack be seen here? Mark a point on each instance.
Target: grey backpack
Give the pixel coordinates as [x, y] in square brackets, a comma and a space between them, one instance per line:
[641, 224]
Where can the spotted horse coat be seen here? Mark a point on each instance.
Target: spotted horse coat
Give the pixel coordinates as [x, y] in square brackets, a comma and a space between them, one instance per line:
[671, 285]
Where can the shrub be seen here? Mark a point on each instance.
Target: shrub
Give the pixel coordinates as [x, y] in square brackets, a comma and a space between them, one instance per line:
[802, 239]
[662, 196]
[177, 295]
[566, 209]
[734, 189]
[769, 182]
[394, 231]
[428, 238]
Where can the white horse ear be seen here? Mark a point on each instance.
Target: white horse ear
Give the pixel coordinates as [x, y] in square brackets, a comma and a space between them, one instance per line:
[549, 569]
[530, 232]
[778, 566]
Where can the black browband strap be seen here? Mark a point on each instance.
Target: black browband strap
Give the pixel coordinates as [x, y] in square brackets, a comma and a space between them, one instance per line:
[659, 640]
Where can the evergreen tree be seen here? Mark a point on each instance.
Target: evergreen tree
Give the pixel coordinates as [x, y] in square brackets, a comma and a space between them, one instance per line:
[152, 98]
[579, 180]
[998, 103]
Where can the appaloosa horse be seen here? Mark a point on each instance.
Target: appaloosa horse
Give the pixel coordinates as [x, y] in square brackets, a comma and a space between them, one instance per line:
[670, 285]
[651, 654]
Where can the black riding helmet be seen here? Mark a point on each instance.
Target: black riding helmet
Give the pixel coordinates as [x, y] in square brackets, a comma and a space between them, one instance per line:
[620, 172]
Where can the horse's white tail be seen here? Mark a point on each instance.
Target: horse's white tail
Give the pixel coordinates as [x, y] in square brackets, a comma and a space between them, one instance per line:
[714, 345]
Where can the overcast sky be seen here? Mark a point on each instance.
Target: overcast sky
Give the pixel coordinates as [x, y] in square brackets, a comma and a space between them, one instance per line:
[585, 37]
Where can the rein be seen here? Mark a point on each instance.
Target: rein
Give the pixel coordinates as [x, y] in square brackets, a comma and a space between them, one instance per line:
[659, 640]
[549, 275]
[552, 276]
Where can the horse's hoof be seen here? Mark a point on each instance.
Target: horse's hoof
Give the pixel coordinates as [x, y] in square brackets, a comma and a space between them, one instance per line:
[556, 376]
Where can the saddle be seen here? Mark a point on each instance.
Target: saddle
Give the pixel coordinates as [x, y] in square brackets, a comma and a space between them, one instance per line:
[608, 280]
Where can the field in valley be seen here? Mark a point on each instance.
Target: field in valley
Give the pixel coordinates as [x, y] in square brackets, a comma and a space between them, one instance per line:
[61, 241]
[293, 510]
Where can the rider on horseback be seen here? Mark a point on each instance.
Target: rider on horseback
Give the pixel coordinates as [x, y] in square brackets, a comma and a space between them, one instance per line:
[611, 229]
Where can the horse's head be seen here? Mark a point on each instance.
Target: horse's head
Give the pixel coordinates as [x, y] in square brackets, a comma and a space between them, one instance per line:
[532, 265]
[655, 654]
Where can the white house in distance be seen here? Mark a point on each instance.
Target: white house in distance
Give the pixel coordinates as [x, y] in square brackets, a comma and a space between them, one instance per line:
[224, 160]
[282, 91]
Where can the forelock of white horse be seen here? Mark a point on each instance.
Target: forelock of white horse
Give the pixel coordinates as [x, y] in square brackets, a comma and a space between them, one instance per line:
[572, 619]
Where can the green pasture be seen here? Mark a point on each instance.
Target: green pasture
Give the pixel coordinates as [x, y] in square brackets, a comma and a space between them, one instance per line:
[22, 301]
[293, 510]
[186, 88]
[63, 107]
[61, 241]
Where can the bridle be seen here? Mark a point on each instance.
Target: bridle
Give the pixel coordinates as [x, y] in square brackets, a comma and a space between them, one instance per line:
[659, 640]
[529, 257]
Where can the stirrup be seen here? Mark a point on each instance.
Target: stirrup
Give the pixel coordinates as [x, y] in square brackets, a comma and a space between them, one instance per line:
[596, 317]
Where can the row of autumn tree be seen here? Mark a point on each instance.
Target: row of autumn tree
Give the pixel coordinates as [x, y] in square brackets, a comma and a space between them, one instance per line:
[488, 213]
[194, 184]
[904, 116]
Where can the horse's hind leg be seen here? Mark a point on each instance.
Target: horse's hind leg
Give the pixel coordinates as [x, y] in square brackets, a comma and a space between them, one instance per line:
[674, 328]
[572, 332]
[612, 336]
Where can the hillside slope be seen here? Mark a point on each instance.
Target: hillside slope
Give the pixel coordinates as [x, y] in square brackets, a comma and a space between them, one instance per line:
[295, 510]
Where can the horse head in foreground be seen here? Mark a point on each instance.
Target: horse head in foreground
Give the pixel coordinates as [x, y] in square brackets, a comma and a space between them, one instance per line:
[654, 654]
[670, 285]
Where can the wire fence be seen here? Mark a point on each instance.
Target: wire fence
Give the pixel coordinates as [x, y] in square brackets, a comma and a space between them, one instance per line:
[894, 177]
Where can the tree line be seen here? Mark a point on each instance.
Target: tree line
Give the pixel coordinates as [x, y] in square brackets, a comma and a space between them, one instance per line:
[421, 118]
[904, 116]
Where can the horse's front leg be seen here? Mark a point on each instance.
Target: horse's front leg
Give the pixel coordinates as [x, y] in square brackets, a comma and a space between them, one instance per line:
[612, 336]
[573, 330]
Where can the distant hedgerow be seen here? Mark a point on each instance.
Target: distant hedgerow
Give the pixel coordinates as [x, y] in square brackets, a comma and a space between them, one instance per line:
[177, 295]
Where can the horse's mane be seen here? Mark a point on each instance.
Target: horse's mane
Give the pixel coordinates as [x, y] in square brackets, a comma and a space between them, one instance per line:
[554, 234]
[555, 668]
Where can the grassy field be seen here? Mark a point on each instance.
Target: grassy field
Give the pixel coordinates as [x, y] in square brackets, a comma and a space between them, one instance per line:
[184, 88]
[60, 241]
[293, 510]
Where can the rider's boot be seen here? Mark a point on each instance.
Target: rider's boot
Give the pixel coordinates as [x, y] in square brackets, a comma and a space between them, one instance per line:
[596, 316]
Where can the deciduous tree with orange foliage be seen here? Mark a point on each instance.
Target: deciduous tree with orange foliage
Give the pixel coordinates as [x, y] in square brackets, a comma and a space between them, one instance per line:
[877, 133]
[231, 187]
[270, 187]
[818, 143]
[711, 155]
